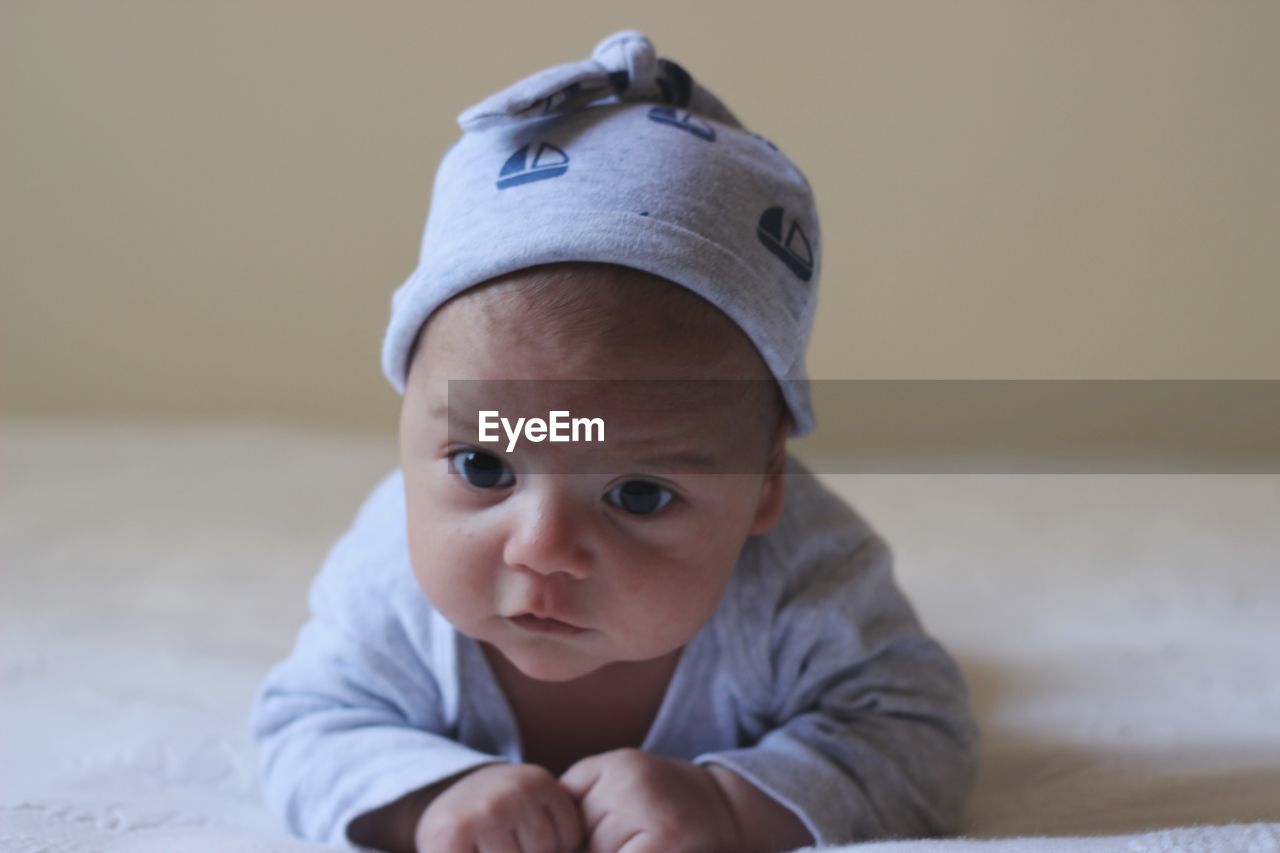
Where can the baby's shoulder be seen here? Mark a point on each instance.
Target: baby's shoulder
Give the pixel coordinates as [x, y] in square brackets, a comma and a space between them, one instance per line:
[820, 578]
[820, 560]
[817, 527]
[375, 538]
[367, 576]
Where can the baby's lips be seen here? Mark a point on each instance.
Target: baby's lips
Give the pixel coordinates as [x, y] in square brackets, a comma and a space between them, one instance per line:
[555, 627]
[545, 617]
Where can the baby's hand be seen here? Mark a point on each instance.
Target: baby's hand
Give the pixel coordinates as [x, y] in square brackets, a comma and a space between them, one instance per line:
[512, 808]
[650, 804]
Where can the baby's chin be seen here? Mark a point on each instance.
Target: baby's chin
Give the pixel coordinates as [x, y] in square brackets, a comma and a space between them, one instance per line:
[551, 664]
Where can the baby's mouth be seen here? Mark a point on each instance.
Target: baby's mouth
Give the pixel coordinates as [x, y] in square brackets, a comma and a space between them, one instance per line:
[544, 625]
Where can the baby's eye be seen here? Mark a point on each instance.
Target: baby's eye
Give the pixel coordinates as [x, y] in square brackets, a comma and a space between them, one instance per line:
[480, 469]
[639, 497]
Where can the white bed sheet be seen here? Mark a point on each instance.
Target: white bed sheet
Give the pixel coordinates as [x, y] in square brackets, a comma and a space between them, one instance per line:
[1121, 635]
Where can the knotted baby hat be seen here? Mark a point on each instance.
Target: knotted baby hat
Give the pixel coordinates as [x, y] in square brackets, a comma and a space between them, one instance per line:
[623, 158]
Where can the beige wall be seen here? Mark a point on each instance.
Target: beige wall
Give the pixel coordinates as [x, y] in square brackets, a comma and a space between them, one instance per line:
[206, 205]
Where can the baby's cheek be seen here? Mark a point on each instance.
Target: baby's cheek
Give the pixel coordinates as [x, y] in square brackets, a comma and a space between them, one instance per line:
[432, 568]
[673, 602]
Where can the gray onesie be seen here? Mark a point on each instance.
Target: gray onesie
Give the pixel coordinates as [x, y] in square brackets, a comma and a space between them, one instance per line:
[813, 680]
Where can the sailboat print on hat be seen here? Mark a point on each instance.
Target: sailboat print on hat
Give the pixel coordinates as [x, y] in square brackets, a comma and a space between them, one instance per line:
[793, 250]
[549, 162]
[699, 128]
[675, 83]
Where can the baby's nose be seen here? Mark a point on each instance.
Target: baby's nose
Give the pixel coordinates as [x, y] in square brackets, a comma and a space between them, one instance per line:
[549, 536]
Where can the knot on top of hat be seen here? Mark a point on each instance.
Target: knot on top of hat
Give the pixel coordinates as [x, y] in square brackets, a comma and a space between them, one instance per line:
[623, 67]
[630, 59]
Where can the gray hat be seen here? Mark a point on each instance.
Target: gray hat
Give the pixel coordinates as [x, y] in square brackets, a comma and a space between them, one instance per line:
[623, 158]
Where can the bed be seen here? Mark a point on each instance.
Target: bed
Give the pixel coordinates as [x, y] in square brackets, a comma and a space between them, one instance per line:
[1120, 635]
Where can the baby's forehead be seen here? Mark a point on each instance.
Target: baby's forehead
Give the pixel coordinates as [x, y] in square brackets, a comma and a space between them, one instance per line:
[606, 320]
[648, 406]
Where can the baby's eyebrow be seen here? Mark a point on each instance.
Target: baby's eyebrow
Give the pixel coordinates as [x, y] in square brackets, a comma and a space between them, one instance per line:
[460, 424]
[443, 411]
[675, 461]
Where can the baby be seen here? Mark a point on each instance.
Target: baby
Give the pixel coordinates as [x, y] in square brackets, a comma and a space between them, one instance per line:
[672, 638]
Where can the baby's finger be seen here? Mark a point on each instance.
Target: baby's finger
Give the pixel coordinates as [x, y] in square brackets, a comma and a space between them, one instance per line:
[498, 839]
[610, 835]
[581, 777]
[535, 832]
[566, 818]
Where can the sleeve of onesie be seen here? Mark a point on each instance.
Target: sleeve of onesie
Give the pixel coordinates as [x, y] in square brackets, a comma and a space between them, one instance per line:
[354, 718]
[868, 730]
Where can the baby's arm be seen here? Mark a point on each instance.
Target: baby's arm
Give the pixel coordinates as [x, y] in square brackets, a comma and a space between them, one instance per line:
[344, 729]
[352, 727]
[350, 770]
[766, 823]
[871, 733]
[394, 827]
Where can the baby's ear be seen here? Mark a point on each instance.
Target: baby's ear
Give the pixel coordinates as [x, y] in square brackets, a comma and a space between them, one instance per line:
[772, 489]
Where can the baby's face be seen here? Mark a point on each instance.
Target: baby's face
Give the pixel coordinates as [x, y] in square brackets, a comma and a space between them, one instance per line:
[628, 545]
